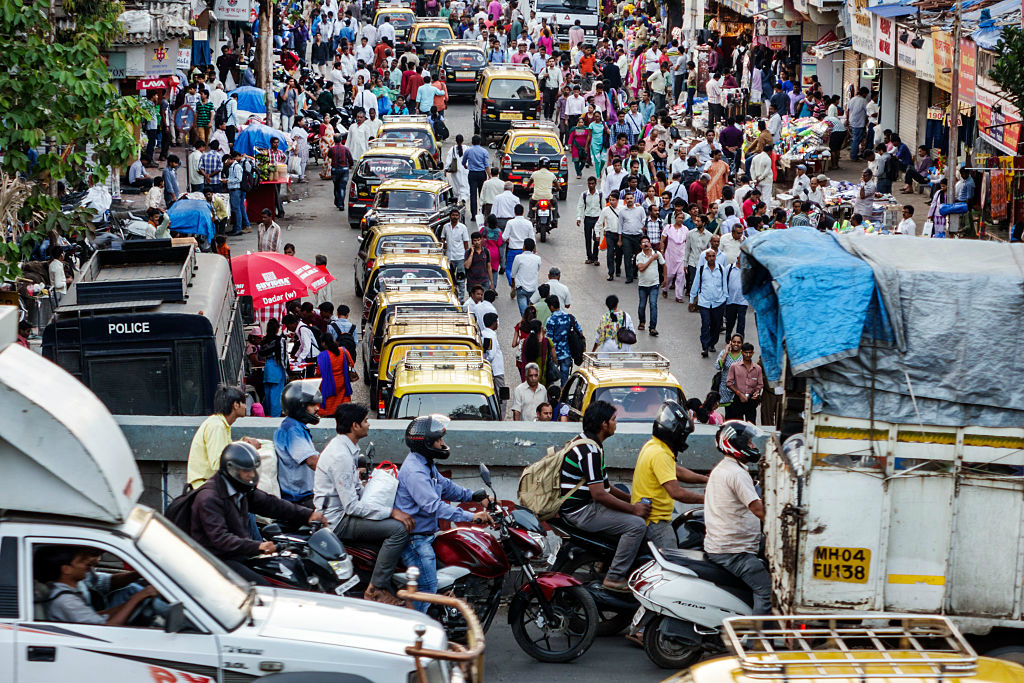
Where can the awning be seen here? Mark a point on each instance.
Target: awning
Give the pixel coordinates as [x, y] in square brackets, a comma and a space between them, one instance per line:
[890, 11]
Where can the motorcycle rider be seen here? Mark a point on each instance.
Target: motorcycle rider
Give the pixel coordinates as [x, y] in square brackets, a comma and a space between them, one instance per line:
[733, 512]
[296, 455]
[422, 493]
[337, 490]
[542, 182]
[220, 510]
[592, 503]
[657, 476]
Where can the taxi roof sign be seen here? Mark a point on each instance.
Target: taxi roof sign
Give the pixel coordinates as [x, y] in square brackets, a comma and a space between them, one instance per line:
[543, 125]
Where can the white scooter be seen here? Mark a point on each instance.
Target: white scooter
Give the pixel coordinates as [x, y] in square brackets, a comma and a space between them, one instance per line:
[684, 598]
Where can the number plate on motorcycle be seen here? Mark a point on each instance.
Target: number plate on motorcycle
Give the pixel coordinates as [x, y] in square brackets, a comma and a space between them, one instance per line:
[849, 565]
[637, 617]
[343, 588]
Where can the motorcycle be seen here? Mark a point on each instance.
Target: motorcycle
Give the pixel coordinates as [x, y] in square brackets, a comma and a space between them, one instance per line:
[553, 617]
[545, 218]
[684, 598]
[314, 562]
[587, 555]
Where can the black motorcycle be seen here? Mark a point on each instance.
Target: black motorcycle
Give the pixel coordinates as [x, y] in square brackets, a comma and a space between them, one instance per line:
[311, 561]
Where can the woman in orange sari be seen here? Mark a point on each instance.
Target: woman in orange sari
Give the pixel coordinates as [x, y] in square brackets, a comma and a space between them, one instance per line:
[719, 172]
[336, 374]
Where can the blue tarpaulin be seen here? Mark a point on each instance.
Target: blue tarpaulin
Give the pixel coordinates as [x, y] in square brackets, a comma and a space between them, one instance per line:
[251, 99]
[258, 135]
[191, 217]
[895, 9]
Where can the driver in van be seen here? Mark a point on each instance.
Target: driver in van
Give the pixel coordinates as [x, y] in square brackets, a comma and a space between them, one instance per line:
[64, 568]
[220, 511]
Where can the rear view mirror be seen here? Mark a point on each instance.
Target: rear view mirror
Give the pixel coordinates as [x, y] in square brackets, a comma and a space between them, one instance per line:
[487, 344]
[271, 530]
[504, 393]
[493, 145]
[174, 620]
[485, 474]
[371, 452]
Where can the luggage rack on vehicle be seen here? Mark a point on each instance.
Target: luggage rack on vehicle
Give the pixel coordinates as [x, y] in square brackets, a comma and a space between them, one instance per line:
[626, 359]
[535, 124]
[461, 42]
[404, 218]
[850, 647]
[410, 248]
[444, 359]
[404, 118]
[512, 67]
[438, 318]
[413, 284]
[391, 142]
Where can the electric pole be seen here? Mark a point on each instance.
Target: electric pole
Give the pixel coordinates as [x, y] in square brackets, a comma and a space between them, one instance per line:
[265, 56]
[954, 117]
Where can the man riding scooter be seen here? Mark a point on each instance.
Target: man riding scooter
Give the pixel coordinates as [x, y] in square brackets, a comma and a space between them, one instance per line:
[733, 512]
[542, 183]
[422, 493]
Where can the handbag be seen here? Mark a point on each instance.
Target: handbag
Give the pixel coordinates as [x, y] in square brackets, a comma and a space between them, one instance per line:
[957, 208]
[379, 493]
[604, 244]
[625, 335]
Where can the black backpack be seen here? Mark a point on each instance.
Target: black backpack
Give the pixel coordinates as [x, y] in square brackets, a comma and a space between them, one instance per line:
[891, 171]
[221, 115]
[179, 512]
[249, 180]
[346, 340]
[577, 342]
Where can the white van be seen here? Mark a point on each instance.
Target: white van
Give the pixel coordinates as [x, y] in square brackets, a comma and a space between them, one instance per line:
[69, 478]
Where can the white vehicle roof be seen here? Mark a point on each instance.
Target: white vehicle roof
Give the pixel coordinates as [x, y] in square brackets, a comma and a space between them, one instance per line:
[63, 453]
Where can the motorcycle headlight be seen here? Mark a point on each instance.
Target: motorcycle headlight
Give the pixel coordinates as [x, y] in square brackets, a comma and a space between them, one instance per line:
[342, 568]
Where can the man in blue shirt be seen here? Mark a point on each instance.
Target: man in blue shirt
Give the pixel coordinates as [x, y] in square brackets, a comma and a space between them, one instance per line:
[423, 492]
[477, 159]
[170, 175]
[237, 195]
[557, 328]
[296, 455]
[425, 95]
[708, 295]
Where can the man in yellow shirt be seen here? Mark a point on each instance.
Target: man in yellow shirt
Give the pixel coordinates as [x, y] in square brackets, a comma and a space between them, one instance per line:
[215, 434]
[657, 476]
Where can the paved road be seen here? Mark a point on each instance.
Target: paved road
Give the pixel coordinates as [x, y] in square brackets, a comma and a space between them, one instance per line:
[315, 226]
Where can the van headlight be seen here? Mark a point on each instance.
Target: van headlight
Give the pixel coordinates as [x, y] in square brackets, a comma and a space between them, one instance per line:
[342, 568]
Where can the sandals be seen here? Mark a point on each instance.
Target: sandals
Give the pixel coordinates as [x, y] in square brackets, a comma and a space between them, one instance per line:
[375, 594]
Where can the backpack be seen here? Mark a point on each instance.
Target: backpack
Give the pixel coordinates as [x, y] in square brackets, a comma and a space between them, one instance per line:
[539, 485]
[577, 342]
[179, 511]
[249, 181]
[221, 115]
[892, 169]
[346, 339]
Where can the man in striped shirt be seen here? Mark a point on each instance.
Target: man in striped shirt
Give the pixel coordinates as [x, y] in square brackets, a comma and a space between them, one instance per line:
[592, 503]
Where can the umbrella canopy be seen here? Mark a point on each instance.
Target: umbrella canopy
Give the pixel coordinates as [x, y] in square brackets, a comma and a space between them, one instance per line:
[258, 135]
[251, 99]
[271, 278]
[191, 217]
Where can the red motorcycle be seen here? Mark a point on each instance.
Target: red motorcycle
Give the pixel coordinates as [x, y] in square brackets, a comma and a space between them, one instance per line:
[553, 617]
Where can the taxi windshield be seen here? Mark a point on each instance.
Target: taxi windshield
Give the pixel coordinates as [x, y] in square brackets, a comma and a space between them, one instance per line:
[433, 34]
[405, 239]
[636, 404]
[465, 59]
[405, 200]
[384, 167]
[410, 271]
[399, 19]
[512, 89]
[455, 406]
[535, 145]
[418, 137]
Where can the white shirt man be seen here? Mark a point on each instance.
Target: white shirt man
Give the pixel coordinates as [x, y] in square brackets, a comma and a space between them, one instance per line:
[557, 289]
[703, 149]
[525, 398]
[575, 105]
[364, 52]
[456, 241]
[359, 135]
[307, 342]
[761, 173]
[526, 271]
[386, 30]
[365, 99]
[677, 190]
[505, 205]
[774, 127]
[490, 190]
[801, 183]
[612, 180]
[480, 309]
[714, 91]
[516, 232]
[369, 31]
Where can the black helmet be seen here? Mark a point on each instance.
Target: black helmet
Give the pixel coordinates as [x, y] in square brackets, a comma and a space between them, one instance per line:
[238, 456]
[423, 431]
[736, 438]
[297, 395]
[673, 424]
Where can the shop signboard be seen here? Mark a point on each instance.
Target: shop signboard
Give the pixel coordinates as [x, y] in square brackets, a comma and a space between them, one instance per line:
[998, 205]
[184, 58]
[943, 59]
[906, 53]
[156, 83]
[232, 10]
[925, 69]
[862, 29]
[777, 43]
[161, 58]
[968, 60]
[885, 40]
[992, 113]
[780, 27]
[117, 65]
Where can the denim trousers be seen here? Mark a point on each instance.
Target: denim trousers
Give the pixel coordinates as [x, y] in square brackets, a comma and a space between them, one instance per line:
[420, 553]
[856, 135]
[523, 298]
[238, 210]
[510, 258]
[340, 178]
[648, 295]
[564, 368]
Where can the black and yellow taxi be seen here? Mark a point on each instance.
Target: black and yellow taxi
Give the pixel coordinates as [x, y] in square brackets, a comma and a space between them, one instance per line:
[394, 234]
[635, 382]
[505, 93]
[427, 199]
[402, 18]
[401, 296]
[462, 62]
[430, 331]
[410, 130]
[383, 160]
[524, 145]
[426, 35]
[403, 262]
[458, 383]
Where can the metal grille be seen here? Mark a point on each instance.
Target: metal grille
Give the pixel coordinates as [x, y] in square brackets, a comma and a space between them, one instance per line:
[899, 646]
[233, 353]
[138, 385]
[188, 360]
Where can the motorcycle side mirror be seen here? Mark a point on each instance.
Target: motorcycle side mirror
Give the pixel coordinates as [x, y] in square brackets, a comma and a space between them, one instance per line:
[174, 620]
[271, 530]
[485, 474]
[493, 145]
[371, 452]
[362, 463]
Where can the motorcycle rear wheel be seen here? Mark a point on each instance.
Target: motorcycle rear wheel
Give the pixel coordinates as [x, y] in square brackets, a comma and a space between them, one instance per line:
[562, 642]
[668, 653]
[589, 568]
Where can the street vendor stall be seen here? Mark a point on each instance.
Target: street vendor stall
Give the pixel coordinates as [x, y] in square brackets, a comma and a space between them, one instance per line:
[254, 141]
[802, 141]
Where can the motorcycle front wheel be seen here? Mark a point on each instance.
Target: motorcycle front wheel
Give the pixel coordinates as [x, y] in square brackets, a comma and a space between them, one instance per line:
[668, 652]
[572, 632]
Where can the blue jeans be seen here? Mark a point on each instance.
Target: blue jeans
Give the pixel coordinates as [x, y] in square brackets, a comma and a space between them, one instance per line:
[340, 178]
[510, 258]
[564, 368]
[420, 553]
[649, 294]
[523, 299]
[238, 210]
[856, 135]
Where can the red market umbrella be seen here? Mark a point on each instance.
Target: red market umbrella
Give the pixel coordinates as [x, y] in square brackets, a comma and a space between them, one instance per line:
[271, 278]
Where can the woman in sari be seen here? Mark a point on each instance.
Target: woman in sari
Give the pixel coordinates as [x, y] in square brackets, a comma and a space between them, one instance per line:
[598, 143]
[579, 146]
[336, 375]
[719, 172]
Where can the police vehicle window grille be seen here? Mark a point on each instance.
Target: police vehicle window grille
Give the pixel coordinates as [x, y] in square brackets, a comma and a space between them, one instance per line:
[133, 386]
[71, 361]
[9, 578]
[189, 362]
[234, 349]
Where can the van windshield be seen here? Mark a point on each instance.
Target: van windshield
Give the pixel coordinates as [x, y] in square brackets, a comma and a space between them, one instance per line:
[455, 406]
[222, 592]
[512, 89]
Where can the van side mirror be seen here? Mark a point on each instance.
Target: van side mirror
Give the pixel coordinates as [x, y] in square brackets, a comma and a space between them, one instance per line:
[174, 620]
[504, 393]
[271, 530]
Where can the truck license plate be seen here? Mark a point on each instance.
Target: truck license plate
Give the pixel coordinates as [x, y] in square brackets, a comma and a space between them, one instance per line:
[849, 565]
[511, 116]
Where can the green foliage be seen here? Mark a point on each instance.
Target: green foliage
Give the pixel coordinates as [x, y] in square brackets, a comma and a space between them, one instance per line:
[55, 94]
[1008, 71]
